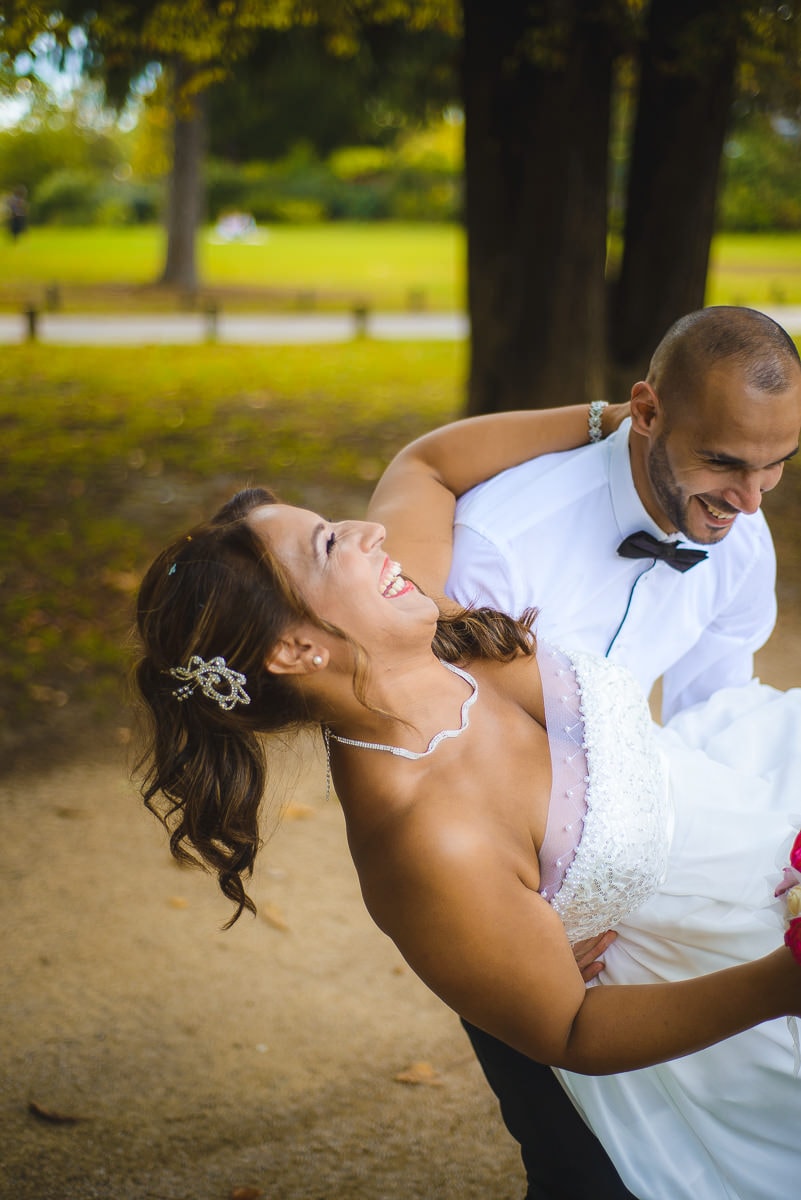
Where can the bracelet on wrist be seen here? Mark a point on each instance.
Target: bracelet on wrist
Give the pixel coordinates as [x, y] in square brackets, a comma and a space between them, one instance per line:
[594, 420]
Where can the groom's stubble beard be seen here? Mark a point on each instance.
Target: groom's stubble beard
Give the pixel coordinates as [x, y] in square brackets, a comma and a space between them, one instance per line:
[673, 501]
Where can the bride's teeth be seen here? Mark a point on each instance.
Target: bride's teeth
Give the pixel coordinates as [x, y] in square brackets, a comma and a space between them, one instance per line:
[391, 581]
[397, 585]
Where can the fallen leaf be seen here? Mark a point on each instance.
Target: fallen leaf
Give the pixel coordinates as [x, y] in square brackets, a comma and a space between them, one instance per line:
[273, 915]
[47, 1114]
[419, 1072]
[246, 1193]
[178, 902]
[122, 581]
[47, 695]
[298, 812]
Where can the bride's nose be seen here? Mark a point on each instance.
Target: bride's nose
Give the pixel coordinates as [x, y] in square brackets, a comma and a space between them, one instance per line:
[371, 534]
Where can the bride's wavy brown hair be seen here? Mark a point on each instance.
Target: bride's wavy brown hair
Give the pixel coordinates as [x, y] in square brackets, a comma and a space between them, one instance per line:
[220, 591]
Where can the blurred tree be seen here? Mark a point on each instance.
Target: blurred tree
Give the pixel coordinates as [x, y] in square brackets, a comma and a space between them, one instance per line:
[549, 323]
[694, 57]
[291, 89]
[761, 170]
[537, 87]
[538, 83]
[199, 43]
[58, 137]
[687, 68]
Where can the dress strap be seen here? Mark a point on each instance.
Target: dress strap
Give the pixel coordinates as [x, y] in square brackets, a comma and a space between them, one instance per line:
[569, 774]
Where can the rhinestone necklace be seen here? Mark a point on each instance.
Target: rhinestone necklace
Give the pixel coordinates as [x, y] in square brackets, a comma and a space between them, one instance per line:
[399, 750]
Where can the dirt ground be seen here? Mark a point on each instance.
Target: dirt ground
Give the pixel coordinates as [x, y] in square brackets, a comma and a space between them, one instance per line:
[147, 1055]
[190, 1061]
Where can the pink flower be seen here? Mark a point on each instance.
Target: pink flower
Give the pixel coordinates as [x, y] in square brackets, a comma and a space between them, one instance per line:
[795, 853]
[792, 938]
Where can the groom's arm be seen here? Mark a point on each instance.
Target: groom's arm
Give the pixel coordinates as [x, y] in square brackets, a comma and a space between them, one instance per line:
[416, 497]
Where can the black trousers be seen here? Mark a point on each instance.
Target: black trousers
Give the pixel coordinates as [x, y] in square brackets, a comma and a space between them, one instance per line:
[563, 1159]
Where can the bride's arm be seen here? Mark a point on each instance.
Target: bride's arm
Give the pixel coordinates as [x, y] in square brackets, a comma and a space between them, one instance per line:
[416, 496]
[497, 954]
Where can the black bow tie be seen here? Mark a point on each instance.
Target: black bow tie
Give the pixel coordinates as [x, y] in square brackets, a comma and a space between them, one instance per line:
[642, 545]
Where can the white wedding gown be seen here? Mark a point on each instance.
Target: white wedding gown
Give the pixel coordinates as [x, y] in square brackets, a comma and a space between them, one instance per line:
[677, 838]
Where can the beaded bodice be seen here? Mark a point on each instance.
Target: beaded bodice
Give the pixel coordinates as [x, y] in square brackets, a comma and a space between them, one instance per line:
[608, 834]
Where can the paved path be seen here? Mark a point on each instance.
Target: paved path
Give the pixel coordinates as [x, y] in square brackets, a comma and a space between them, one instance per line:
[173, 329]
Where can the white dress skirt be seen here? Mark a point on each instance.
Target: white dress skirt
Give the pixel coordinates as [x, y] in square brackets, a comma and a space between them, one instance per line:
[677, 837]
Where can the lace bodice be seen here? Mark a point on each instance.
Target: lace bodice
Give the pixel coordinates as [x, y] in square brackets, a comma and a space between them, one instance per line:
[608, 835]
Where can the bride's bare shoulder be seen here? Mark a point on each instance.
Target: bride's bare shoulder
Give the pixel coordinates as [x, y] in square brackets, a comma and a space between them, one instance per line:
[430, 854]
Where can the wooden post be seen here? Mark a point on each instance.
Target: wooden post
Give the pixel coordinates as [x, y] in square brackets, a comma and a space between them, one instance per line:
[32, 318]
[360, 314]
[212, 321]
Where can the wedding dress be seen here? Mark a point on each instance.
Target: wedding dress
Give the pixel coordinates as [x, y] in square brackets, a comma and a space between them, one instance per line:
[676, 837]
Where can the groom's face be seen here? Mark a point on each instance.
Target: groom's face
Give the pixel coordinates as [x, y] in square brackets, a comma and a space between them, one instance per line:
[710, 459]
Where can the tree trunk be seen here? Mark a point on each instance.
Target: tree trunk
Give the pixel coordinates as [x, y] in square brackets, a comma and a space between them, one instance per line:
[537, 83]
[185, 199]
[687, 77]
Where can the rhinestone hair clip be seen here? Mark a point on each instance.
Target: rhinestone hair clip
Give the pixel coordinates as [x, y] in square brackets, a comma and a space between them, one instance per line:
[215, 680]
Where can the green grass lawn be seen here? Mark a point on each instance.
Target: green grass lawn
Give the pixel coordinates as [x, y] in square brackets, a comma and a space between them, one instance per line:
[390, 266]
[756, 269]
[106, 453]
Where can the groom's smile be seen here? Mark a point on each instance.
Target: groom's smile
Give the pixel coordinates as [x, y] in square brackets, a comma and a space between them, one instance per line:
[706, 459]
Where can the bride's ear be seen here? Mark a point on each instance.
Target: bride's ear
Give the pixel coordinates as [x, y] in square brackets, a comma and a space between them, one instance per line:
[297, 653]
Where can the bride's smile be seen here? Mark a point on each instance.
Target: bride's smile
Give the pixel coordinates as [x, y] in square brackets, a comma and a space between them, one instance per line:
[344, 573]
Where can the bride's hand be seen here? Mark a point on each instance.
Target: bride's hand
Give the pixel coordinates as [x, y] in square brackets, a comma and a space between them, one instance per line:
[613, 415]
[588, 954]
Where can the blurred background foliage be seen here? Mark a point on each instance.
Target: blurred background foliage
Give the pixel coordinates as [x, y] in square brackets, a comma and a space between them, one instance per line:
[295, 134]
[82, 166]
[298, 134]
[82, 173]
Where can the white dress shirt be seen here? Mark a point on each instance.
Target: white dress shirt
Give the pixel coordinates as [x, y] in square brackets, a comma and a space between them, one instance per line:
[545, 534]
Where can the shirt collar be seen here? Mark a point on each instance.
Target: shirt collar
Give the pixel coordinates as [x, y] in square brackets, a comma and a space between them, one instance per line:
[629, 510]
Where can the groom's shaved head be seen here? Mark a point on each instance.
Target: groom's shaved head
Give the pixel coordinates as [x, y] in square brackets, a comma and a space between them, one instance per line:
[738, 339]
[715, 421]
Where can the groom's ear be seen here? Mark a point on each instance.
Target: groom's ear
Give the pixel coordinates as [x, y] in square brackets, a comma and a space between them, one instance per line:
[298, 652]
[646, 409]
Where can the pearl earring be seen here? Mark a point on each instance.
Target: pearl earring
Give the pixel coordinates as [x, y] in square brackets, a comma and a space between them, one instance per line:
[317, 661]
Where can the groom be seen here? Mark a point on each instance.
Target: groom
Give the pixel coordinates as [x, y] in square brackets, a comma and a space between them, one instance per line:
[711, 428]
[597, 540]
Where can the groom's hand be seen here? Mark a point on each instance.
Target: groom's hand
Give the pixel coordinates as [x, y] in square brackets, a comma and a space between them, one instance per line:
[588, 954]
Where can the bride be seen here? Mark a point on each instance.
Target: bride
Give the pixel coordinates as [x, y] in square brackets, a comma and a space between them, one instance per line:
[504, 800]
